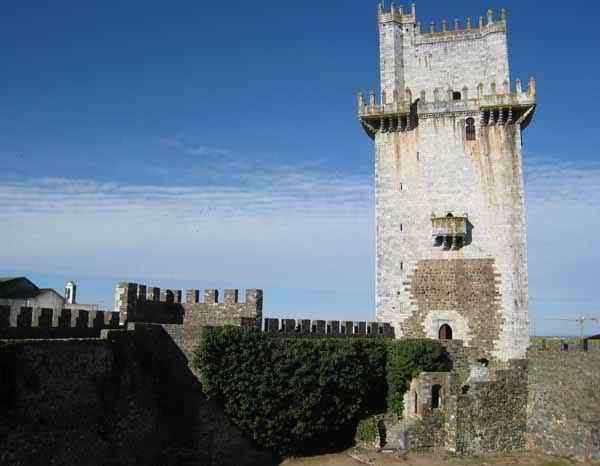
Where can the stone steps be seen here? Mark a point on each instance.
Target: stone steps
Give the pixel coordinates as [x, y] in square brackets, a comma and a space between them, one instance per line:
[396, 434]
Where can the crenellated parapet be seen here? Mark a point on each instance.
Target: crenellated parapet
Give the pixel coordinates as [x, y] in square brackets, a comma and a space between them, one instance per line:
[495, 103]
[542, 344]
[327, 328]
[454, 30]
[397, 14]
[71, 322]
[140, 303]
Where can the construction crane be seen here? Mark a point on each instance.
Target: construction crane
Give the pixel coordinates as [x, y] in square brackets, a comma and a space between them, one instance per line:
[580, 321]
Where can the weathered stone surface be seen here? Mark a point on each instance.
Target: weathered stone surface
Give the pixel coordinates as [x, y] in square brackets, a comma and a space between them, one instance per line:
[563, 412]
[467, 290]
[124, 400]
[430, 168]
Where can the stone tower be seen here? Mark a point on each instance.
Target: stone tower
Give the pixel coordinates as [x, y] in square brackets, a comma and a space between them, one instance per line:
[450, 215]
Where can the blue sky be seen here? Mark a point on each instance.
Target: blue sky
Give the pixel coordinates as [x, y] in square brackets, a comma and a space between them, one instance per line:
[215, 144]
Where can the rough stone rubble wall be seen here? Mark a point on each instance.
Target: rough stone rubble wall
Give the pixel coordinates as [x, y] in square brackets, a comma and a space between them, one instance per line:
[563, 411]
[128, 398]
[476, 416]
[140, 303]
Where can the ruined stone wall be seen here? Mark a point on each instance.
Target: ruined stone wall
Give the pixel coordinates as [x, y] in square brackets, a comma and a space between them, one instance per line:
[434, 169]
[563, 410]
[477, 416]
[128, 398]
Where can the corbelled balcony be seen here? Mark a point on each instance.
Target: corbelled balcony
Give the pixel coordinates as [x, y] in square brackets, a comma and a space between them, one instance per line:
[449, 230]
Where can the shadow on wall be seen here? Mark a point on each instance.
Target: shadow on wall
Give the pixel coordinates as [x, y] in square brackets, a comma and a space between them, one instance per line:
[469, 236]
[126, 399]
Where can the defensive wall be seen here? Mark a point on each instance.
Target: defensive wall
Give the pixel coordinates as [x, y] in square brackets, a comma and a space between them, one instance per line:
[563, 408]
[133, 369]
[549, 402]
[127, 397]
[67, 322]
[475, 409]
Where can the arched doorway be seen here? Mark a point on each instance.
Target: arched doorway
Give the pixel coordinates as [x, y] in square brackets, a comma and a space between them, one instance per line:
[445, 332]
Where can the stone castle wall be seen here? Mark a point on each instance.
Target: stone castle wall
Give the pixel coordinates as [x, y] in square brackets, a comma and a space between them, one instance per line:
[140, 303]
[563, 411]
[473, 410]
[126, 398]
[64, 322]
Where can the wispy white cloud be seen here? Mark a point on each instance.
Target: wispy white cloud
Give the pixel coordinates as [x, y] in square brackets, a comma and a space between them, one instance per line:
[281, 225]
[194, 149]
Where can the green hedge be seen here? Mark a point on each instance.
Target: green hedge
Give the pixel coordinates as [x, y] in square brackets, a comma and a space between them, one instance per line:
[405, 360]
[297, 395]
[287, 394]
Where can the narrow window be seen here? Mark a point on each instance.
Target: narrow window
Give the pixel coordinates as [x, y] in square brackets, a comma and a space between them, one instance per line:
[416, 402]
[401, 265]
[470, 129]
[436, 396]
[400, 186]
[400, 227]
[456, 95]
[417, 156]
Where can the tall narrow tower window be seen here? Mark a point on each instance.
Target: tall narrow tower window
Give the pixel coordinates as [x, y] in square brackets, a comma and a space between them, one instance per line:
[470, 129]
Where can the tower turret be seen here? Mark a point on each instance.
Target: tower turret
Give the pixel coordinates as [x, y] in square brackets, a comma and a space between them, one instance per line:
[447, 130]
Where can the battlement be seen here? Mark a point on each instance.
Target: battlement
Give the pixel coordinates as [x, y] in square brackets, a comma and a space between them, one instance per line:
[564, 344]
[491, 23]
[71, 322]
[140, 303]
[397, 14]
[438, 99]
[326, 328]
[498, 103]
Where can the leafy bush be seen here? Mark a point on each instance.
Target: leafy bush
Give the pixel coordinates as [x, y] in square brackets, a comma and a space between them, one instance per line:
[290, 395]
[405, 360]
[367, 430]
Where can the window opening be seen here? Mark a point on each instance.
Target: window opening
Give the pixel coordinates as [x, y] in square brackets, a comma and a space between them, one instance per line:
[470, 129]
[456, 96]
[436, 396]
[416, 402]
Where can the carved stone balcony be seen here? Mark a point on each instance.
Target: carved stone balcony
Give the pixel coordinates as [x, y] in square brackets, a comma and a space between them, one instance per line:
[449, 231]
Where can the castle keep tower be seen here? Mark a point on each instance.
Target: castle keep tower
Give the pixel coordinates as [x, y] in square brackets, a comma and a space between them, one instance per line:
[450, 215]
